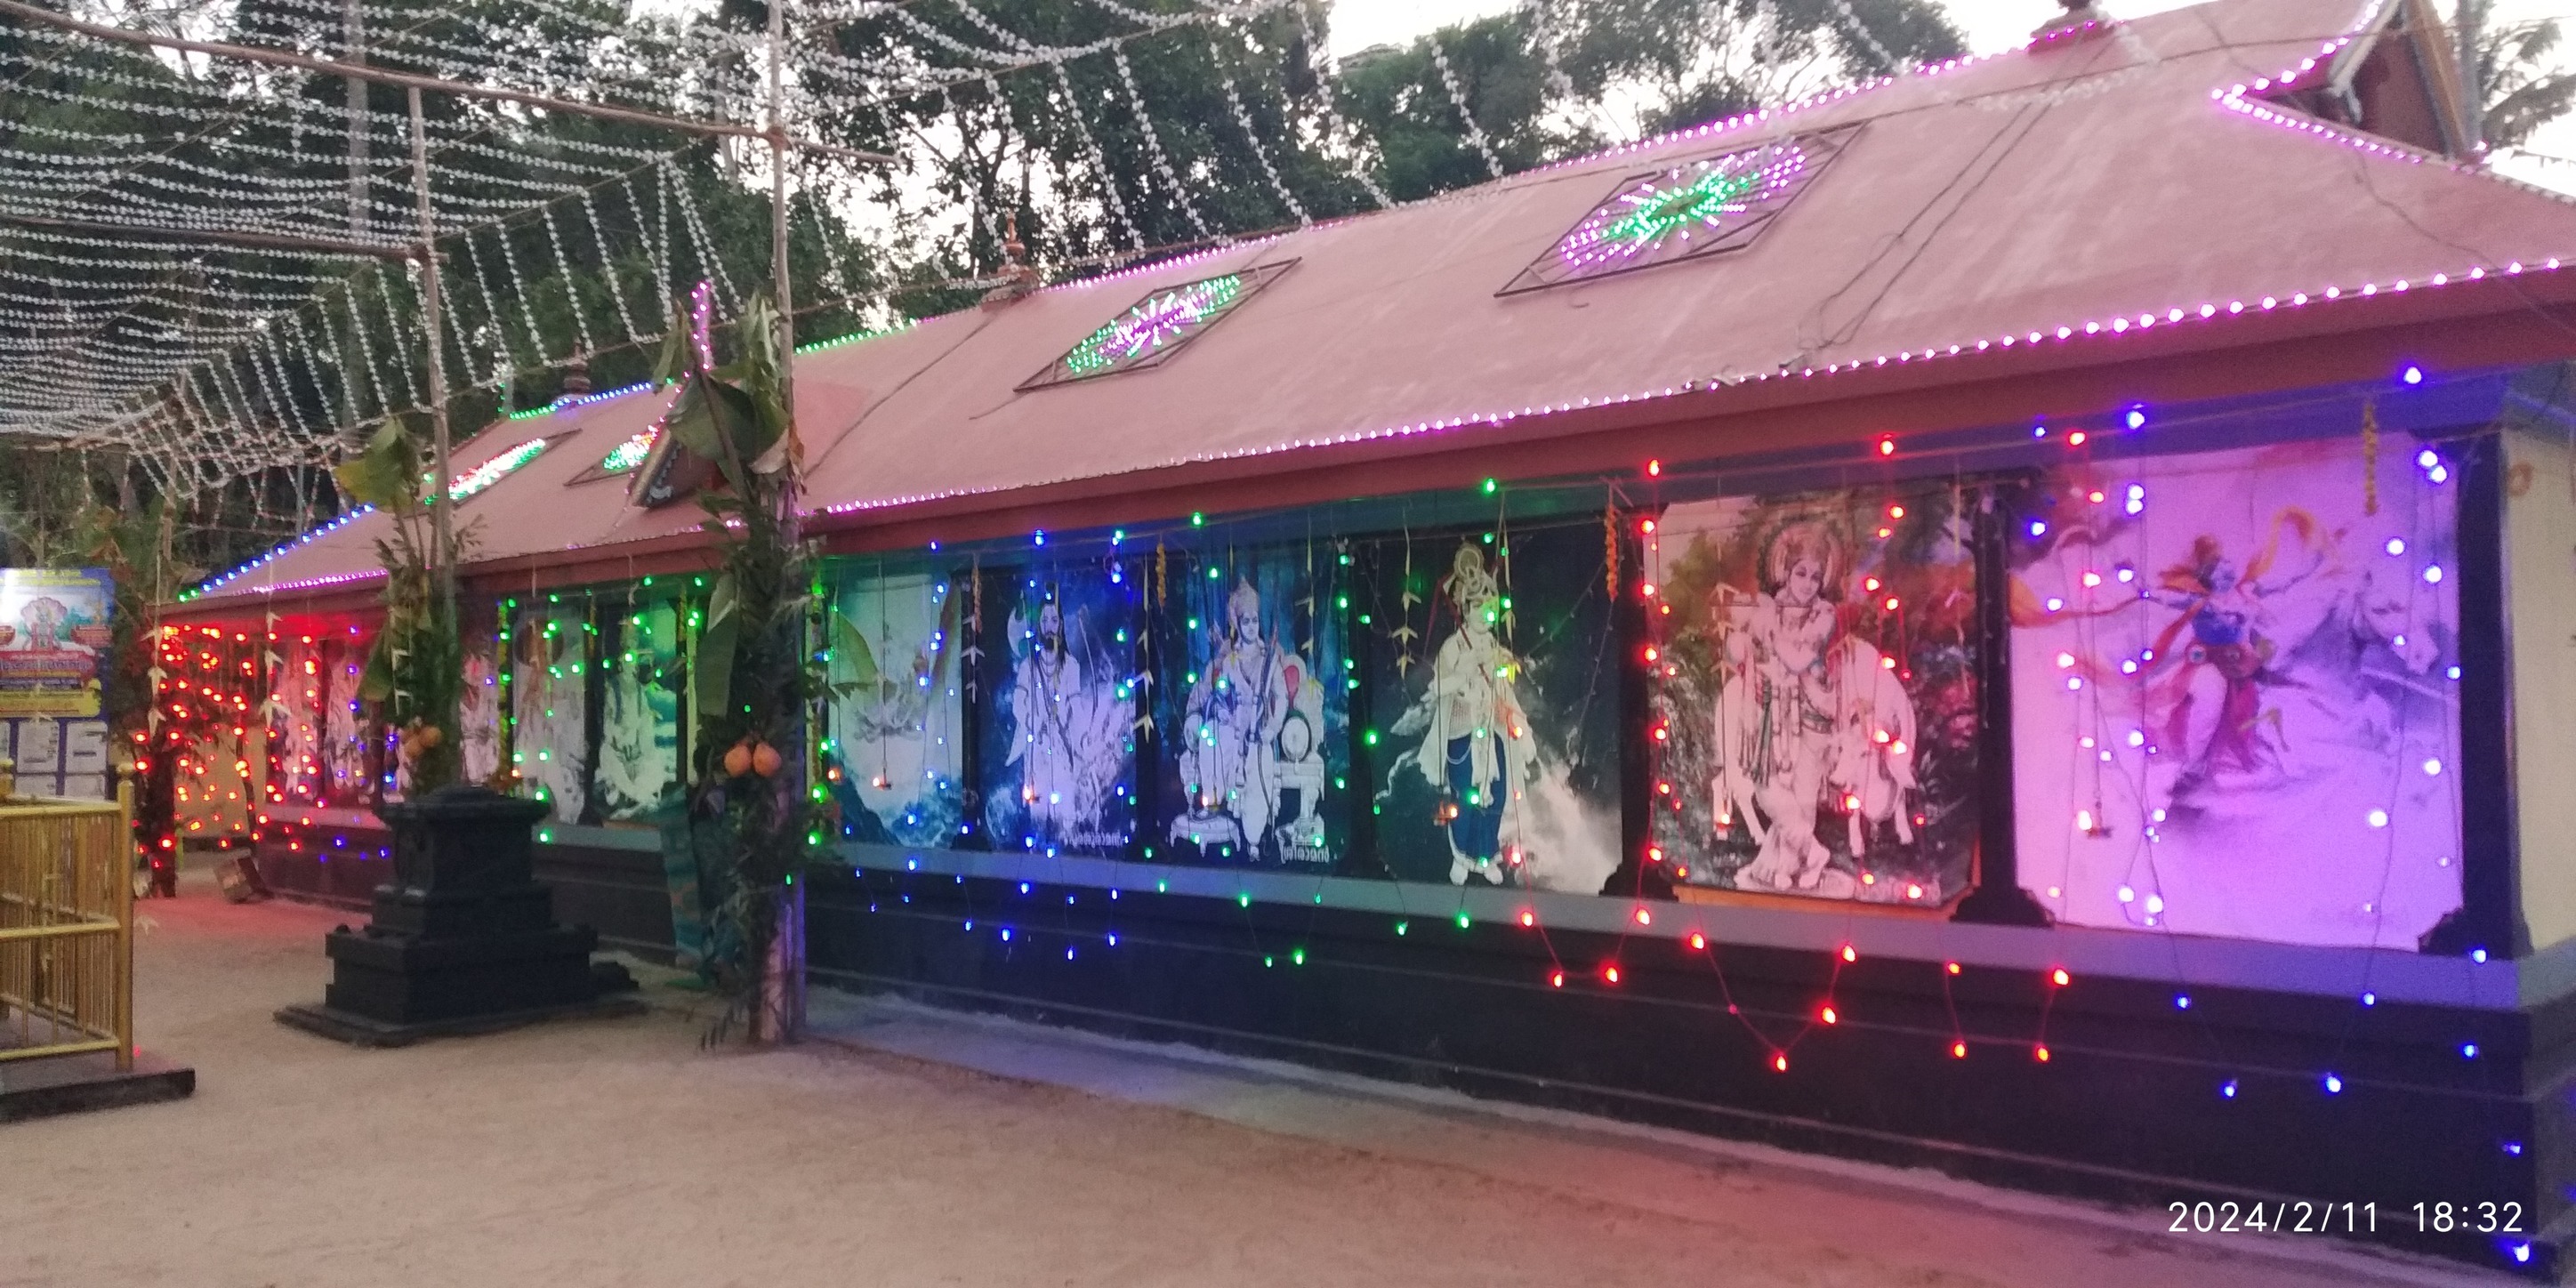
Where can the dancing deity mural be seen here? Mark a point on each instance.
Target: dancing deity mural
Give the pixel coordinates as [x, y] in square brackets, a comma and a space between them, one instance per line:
[2236, 701]
[1259, 747]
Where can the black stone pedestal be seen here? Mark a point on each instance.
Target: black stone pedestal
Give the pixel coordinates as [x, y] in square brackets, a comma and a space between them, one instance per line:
[463, 938]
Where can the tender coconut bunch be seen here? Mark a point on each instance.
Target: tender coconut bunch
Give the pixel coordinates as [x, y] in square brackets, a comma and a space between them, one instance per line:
[419, 736]
[751, 757]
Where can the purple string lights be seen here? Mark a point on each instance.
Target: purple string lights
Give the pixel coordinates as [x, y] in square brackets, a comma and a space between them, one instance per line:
[1157, 326]
[1692, 208]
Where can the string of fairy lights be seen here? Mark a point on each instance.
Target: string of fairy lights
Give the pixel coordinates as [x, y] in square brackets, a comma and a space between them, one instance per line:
[1059, 908]
[1773, 1036]
[1062, 904]
[201, 354]
[212, 361]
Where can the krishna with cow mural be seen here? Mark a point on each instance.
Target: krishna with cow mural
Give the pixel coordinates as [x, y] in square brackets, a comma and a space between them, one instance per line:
[1816, 708]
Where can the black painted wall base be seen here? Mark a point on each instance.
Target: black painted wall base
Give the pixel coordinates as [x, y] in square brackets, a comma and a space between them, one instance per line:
[2135, 1100]
[2130, 1106]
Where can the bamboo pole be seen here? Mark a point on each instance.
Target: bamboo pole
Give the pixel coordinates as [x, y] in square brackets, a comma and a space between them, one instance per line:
[782, 988]
[442, 566]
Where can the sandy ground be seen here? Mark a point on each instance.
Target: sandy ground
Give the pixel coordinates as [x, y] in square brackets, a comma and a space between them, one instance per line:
[618, 1153]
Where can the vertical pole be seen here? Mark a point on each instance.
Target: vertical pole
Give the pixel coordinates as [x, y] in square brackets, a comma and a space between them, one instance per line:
[2472, 17]
[780, 286]
[118, 862]
[353, 51]
[783, 975]
[442, 567]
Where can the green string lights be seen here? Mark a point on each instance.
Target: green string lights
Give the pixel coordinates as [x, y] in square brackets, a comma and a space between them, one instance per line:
[494, 470]
[1687, 210]
[1149, 326]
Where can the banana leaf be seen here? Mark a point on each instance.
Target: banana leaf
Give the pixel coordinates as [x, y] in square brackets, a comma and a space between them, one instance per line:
[712, 682]
[384, 474]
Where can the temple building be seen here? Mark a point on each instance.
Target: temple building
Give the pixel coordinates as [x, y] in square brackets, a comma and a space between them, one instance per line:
[2014, 619]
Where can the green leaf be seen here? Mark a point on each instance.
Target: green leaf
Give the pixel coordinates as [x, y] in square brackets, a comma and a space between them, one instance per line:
[377, 683]
[712, 682]
[712, 415]
[385, 473]
[691, 421]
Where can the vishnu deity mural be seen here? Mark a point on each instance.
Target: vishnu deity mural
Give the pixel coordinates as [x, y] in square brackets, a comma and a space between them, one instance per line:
[1504, 761]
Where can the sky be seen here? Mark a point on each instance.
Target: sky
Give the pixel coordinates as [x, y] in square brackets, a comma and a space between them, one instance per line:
[1989, 25]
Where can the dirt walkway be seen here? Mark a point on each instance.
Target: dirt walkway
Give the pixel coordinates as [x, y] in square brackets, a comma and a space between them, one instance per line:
[616, 1153]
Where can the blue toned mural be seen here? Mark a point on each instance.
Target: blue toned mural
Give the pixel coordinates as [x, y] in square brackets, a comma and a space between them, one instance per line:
[895, 745]
[1494, 690]
[1058, 657]
[1254, 710]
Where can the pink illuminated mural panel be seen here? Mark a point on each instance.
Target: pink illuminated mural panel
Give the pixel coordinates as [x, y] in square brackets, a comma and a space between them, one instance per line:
[2235, 692]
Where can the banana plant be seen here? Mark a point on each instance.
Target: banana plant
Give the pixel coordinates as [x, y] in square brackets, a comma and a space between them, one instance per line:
[754, 675]
[414, 678]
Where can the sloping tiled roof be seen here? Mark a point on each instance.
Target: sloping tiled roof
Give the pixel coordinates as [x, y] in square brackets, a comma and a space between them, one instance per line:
[2124, 191]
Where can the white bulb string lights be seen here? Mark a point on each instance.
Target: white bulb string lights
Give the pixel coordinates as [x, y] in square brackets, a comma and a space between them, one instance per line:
[1109, 194]
[608, 267]
[496, 317]
[394, 337]
[1252, 138]
[1458, 99]
[710, 262]
[1341, 132]
[1154, 148]
[519, 292]
[155, 193]
[571, 282]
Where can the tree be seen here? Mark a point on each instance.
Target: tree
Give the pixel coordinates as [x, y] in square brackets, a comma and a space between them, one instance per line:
[2522, 83]
[1549, 80]
[1405, 109]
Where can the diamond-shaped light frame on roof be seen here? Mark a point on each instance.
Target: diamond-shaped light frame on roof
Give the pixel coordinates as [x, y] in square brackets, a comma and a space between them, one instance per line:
[1685, 210]
[1157, 326]
[475, 480]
